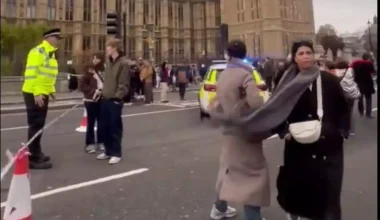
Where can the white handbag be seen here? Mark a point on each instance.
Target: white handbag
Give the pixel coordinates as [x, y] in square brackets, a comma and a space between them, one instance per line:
[308, 132]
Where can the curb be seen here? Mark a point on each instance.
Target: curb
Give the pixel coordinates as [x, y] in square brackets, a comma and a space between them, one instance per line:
[52, 107]
[72, 98]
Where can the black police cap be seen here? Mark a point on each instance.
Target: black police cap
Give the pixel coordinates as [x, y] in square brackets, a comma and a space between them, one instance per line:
[56, 32]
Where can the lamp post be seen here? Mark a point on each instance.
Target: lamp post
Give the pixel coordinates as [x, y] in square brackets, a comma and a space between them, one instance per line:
[369, 36]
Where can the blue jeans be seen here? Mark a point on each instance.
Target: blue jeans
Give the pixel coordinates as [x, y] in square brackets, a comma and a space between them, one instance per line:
[94, 116]
[250, 212]
[113, 127]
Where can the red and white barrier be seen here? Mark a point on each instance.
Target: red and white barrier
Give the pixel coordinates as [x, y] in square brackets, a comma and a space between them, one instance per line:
[83, 123]
[19, 204]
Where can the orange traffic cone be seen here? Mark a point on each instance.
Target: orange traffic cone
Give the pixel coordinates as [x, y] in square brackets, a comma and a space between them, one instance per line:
[83, 123]
[19, 203]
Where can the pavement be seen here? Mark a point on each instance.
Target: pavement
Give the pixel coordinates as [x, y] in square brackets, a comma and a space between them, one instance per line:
[180, 155]
[15, 103]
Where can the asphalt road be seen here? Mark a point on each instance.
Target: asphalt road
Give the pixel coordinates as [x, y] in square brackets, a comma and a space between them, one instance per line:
[181, 155]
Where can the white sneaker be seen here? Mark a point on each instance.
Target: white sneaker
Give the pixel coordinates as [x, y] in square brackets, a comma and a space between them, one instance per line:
[91, 149]
[101, 147]
[114, 160]
[217, 215]
[102, 156]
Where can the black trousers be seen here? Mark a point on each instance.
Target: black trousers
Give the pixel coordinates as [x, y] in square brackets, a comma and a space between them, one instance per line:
[94, 116]
[368, 104]
[36, 117]
[113, 127]
[139, 87]
[182, 90]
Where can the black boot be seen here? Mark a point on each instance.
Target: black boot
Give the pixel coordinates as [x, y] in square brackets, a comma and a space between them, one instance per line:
[41, 163]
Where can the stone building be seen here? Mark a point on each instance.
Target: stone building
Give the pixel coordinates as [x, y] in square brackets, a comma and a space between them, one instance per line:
[269, 27]
[174, 30]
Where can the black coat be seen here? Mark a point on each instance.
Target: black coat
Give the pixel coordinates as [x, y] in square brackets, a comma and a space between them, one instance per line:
[310, 182]
[363, 71]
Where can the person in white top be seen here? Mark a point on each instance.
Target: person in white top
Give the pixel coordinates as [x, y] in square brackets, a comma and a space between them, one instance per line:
[91, 84]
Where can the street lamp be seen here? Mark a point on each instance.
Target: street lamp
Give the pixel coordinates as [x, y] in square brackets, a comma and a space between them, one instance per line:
[369, 36]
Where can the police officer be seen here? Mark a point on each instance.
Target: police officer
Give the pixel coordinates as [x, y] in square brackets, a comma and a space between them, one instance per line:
[39, 85]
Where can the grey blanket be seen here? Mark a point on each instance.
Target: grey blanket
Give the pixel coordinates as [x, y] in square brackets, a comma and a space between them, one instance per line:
[276, 110]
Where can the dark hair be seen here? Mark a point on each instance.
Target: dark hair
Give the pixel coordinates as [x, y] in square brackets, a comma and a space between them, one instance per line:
[86, 68]
[366, 56]
[341, 64]
[330, 65]
[302, 43]
[237, 49]
[100, 65]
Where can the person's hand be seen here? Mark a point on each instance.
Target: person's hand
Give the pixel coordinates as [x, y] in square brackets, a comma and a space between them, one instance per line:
[288, 137]
[52, 96]
[98, 92]
[39, 100]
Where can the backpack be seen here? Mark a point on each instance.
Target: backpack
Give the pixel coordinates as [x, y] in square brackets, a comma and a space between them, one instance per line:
[349, 86]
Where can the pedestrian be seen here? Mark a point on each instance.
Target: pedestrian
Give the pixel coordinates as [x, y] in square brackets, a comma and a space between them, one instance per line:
[146, 76]
[73, 79]
[158, 76]
[164, 82]
[173, 77]
[309, 182]
[135, 80]
[243, 176]
[268, 72]
[39, 85]
[91, 85]
[364, 70]
[182, 81]
[202, 71]
[139, 83]
[116, 85]
[350, 88]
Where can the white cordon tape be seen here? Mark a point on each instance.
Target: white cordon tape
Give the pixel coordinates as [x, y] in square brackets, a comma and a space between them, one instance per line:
[12, 159]
[8, 166]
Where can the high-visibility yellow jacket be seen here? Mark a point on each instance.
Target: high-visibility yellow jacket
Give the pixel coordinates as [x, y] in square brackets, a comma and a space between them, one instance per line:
[41, 70]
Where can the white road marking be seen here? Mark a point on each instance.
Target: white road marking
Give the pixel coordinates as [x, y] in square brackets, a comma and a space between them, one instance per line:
[374, 109]
[124, 116]
[85, 184]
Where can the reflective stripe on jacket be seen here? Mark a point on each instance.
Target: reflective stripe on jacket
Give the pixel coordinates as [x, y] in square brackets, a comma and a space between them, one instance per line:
[259, 80]
[41, 70]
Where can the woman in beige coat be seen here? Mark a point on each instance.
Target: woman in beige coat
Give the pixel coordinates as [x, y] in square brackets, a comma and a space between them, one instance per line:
[243, 176]
[146, 77]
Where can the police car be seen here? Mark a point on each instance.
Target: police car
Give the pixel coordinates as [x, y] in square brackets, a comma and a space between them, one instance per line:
[207, 92]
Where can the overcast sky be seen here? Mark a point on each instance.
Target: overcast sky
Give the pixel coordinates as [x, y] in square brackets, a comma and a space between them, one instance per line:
[344, 15]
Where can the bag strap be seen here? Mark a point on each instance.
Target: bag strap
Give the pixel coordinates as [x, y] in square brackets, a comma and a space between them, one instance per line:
[319, 97]
[344, 74]
[100, 76]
